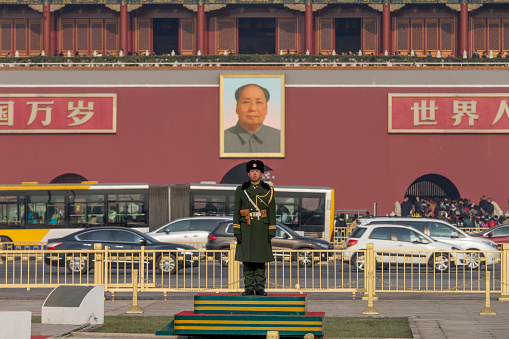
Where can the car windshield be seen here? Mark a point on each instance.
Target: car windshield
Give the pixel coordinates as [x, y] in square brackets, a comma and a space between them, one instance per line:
[488, 231]
[289, 230]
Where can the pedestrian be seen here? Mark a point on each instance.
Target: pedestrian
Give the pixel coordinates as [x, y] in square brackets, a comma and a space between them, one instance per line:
[418, 205]
[355, 221]
[254, 226]
[490, 209]
[341, 221]
[468, 223]
[406, 207]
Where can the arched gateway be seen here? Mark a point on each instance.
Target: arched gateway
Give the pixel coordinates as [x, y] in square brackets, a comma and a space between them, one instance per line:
[432, 186]
[68, 178]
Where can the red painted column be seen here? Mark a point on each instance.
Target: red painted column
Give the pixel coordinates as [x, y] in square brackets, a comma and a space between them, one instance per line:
[46, 29]
[123, 27]
[54, 24]
[130, 45]
[309, 27]
[386, 28]
[463, 36]
[201, 27]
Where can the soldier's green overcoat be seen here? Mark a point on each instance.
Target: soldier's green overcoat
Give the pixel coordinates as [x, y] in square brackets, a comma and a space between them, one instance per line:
[255, 246]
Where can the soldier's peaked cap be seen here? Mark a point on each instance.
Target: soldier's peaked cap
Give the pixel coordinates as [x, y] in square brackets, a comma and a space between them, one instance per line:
[255, 164]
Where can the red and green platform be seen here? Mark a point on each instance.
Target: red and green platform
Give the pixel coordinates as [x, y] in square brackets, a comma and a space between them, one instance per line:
[234, 314]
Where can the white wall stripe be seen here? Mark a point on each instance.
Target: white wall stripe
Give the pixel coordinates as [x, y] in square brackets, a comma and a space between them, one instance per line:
[289, 86]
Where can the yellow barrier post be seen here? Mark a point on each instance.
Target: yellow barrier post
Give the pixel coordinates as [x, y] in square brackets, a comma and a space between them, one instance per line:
[98, 265]
[487, 310]
[369, 270]
[142, 268]
[369, 261]
[135, 309]
[504, 270]
[233, 269]
[105, 269]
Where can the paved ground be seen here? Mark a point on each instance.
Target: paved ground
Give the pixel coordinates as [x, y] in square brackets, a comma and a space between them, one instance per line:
[432, 316]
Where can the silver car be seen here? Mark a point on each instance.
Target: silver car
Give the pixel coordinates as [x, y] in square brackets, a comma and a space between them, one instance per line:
[445, 232]
[191, 230]
[402, 245]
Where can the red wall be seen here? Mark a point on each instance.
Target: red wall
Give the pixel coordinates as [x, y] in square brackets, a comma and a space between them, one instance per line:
[335, 137]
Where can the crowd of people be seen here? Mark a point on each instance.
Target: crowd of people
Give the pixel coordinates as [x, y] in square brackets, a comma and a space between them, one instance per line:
[460, 212]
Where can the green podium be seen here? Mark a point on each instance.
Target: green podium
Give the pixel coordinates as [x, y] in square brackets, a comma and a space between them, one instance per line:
[234, 314]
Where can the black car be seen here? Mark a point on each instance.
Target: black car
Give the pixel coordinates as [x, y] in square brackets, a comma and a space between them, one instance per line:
[286, 239]
[117, 238]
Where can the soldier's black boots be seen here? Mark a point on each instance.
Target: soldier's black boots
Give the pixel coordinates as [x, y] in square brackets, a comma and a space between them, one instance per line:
[248, 292]
[261, 291]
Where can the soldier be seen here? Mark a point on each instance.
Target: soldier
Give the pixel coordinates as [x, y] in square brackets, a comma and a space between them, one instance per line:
[254, 226]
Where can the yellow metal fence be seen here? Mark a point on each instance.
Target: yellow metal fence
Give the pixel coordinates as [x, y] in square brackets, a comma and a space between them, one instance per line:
[292, 271]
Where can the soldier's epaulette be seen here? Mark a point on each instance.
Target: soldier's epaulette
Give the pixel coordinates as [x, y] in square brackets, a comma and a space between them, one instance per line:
[265, 185]
[246, 185]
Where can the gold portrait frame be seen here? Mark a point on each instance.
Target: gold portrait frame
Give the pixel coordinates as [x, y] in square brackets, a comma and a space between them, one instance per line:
[275, 84]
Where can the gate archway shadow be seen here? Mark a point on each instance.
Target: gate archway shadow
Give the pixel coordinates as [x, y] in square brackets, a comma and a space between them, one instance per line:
[431, 186]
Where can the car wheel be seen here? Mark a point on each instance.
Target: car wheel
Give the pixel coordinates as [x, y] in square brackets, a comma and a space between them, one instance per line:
[474, 259]
[77, 265]
[5, 246]
[221, 256]
[304, 258]
[358, 263]
[440, 262]
[167, 264]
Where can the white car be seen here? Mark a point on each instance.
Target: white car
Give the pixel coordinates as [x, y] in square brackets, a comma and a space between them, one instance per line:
[187, 230]
[418, 248]
[445, 232]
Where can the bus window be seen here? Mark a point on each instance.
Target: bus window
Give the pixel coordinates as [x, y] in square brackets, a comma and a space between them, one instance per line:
[312, 213]
[209, 205]
[126, 209]
[44, 208]
[87, 209]
[10, 210]
[287, 210]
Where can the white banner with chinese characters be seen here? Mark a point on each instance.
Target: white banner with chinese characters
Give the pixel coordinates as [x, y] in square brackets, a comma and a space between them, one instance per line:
[448, 113]
[58, 113]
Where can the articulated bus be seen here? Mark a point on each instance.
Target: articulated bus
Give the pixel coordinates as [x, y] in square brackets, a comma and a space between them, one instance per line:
[33, 212]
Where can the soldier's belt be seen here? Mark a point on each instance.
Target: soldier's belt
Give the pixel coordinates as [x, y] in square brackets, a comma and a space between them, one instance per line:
[247, 214]
[259, 214]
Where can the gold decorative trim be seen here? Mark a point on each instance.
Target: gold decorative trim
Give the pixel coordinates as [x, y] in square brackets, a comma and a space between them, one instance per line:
[380, 7]
[395, 7]
[302, 7]
[54, 8]
[456, 7]
[210, 8]
[317, 7]
[296, 7]
[37, 8]
[133, 7]
[191, 7]
[377, 7]
[115, 8]
[473, 7]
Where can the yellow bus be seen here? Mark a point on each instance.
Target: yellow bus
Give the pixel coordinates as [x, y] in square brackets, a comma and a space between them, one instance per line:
[33, 212]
